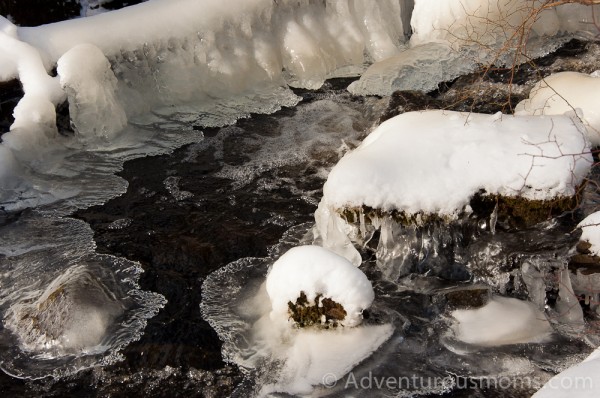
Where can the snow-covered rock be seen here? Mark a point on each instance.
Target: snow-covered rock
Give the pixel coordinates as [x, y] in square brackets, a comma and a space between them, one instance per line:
[316, 271]
[566, 92]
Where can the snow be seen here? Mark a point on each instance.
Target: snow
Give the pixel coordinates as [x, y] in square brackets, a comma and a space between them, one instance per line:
[315, 270]
[502, 321]
[435, 161]
[566, 92]
[480, 22]
[590, 227]
[581, 380]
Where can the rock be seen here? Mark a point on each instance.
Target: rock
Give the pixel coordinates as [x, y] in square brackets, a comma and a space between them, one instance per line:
[324, 312]
[473, 296]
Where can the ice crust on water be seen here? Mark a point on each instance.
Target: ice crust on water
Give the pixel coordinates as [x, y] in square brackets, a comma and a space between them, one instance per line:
[566, 93]
[317, 271]
[502, 321]
[73, 314]
[64, 307]
[420, 68]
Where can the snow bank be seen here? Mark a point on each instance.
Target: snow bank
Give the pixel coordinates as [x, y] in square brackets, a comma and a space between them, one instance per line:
[435, 161]
[490, 23]
[581, 381]
[317, 271]
[566, 92]
[590, 227]
[502, 321]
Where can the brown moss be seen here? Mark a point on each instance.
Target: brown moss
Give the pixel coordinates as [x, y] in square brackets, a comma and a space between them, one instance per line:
[305, 315]
[514, 212]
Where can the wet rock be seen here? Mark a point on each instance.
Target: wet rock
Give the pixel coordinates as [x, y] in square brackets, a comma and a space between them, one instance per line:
[407, 101]
[324, 312]
[473, 296]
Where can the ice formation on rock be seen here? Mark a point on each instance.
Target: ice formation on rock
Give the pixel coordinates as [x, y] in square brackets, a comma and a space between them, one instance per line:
[433, 162]
[90, 85]
[72, 315]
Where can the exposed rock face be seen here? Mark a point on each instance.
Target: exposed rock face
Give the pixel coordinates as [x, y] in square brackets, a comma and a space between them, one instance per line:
[324, 312]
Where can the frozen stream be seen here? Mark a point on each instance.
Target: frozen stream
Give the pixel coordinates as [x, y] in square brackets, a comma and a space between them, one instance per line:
[135, 242]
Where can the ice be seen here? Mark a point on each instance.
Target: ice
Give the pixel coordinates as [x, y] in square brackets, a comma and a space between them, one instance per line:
[317, 271]
[73, 314]
[502, 321]
[90, 85]
[316, 357]
[64, 307]
[566, 93]
[420, 68]
[567, 311]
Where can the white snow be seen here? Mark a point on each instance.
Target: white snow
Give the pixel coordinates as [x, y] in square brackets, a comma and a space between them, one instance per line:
[566, 92]
[581, 380]
[435, 161]
[590, 227]
[502, 321]
[315, 270]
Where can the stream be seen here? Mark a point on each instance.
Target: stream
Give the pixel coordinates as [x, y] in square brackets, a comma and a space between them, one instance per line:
[161, 245]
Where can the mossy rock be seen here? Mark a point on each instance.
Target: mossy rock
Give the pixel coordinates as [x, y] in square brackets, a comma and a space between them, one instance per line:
[468, 297]
[324, 312]
[512, 212]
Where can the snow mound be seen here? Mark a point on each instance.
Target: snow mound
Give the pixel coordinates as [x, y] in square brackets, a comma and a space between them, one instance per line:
[566, 92]
[318, 271]
[435, 161]
[502, 321]
[590, 227]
